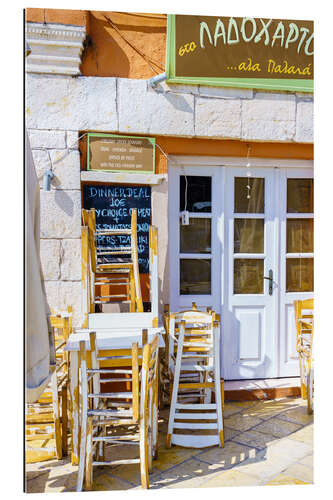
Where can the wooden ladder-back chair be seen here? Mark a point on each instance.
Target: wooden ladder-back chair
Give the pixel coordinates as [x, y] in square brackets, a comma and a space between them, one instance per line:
[194, 349]
[47, 419]
[304, 316]
[171, 323]
[104, 415]
[115, 268]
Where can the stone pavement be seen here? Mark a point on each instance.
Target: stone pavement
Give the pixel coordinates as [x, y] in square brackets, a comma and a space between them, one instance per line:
[266, 443]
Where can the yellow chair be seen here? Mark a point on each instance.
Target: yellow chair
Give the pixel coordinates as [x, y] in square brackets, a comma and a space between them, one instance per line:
[105, 413]
[304, 317]
[194, 363]
[47, 419]
[115, 268]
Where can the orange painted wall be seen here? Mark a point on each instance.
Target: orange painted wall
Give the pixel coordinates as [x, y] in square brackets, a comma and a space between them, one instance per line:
[214, 147]
[60, 16]
[126, 45]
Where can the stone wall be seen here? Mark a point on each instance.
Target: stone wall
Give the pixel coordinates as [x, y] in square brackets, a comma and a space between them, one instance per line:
[131, 106]
[58, 107]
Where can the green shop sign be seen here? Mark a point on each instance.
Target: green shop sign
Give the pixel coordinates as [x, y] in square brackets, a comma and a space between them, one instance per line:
[121, 153]
[240, 52]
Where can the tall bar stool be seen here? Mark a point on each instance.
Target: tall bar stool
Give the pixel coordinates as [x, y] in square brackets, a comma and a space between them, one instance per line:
[196, 375]
[105, 414]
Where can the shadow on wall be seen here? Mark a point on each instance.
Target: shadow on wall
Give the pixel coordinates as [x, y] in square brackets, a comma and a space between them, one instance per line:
[110, 55]
[64, 202]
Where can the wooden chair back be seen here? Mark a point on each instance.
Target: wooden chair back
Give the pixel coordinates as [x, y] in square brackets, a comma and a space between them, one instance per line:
[47, 419]
[117, 408]
[198, 334]
[304, 317]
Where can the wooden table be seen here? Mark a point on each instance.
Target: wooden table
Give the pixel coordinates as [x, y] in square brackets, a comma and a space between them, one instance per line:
[106, 339]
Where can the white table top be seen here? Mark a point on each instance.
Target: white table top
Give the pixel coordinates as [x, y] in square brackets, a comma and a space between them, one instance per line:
[113, 338]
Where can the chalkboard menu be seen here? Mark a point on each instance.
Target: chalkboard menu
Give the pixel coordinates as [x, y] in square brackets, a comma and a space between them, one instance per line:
[120, 153]
[113, 205]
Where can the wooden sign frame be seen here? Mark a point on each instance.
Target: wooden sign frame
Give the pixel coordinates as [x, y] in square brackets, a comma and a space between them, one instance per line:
[151, 140]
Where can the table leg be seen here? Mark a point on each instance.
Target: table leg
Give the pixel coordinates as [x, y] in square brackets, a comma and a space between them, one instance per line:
[75, 417]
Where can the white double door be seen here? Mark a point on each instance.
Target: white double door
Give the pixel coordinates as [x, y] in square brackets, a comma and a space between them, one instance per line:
[247, 252]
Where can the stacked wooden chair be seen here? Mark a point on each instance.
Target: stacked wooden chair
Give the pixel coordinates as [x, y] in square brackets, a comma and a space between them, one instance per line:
[194, 353]
[114, 417]
[47, 419]
[114, 268]
[304, 342]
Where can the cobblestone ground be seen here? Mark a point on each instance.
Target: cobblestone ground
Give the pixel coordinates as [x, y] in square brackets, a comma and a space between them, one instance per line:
[266, 443]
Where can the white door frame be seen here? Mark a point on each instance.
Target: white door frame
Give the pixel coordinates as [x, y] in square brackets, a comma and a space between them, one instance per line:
[192, 164]
[182, 302]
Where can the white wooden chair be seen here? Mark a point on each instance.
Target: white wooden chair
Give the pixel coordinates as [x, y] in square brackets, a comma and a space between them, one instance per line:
[104, 413]
[171, 322]
[194, 349]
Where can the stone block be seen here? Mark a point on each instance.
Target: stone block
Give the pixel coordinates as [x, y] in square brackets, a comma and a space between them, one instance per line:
[175, 87]
[267, 106]
[61, 294]
[72, 139]
[267, 130]
[269, 117]
[49, 139]
[50, 259]
[66, 169]
[304, 122]
[147, 112]
[62, 102]
[219, 118]
[100, 111]
[225, 92]
[70, 259]
[41, 161]
[60, 214]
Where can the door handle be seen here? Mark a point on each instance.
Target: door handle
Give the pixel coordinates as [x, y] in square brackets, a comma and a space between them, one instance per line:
[270, 278]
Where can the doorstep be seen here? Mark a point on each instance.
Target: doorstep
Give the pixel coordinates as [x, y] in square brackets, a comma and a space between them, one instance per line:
[269, 388]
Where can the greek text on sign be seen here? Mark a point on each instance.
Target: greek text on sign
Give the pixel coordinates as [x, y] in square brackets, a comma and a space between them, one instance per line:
[118, 153]
[240, 51]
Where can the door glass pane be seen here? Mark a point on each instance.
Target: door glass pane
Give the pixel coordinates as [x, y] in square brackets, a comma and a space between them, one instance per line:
[248, 276]
[196, 237]
[299, 275]
[249, 195]
[249, 235]
[299, 235]
[195, 276]
[299, 196]
[195, 193]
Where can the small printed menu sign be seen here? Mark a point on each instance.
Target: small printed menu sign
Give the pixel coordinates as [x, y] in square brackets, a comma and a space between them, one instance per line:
[119, 153]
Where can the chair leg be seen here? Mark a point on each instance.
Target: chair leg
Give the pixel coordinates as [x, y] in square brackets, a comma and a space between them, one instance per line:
[64, 423]
[302, 377]
[155, 420]
[132, 291]
[222, 398]
[89, 456]
[82, 460]
[144, 451]
[56, 415]
[150, 439]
